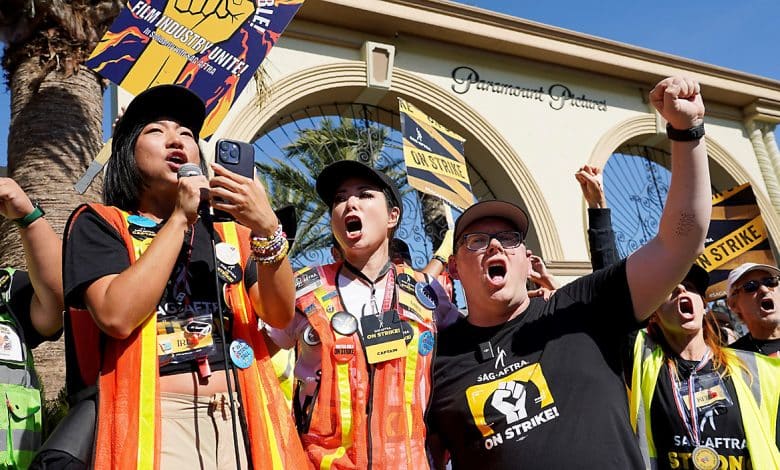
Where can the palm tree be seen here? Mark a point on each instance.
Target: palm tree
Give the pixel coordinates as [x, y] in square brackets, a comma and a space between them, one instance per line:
[56, 117]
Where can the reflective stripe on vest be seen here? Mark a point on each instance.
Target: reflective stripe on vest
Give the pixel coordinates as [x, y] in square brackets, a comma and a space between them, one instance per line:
[758, 383]
[238, 303]
[20, 440]
[342, 379]
[147, 399]
[338, 434]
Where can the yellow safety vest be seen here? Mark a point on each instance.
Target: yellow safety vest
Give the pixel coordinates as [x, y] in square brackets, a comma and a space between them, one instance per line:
[758, 391]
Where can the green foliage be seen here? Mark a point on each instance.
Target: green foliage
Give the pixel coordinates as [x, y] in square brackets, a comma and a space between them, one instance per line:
[54, 410]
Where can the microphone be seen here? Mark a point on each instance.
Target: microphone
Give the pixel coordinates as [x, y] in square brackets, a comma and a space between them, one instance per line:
[188, 169]
[191, 169]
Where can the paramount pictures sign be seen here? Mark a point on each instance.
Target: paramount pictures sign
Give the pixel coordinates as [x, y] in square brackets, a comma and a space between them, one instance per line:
[556, 95]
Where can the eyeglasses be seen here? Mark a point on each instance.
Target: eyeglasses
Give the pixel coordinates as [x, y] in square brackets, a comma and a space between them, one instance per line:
[479, 241]
[753, 285]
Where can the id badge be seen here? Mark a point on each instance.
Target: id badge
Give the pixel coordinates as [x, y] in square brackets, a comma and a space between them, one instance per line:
[10, 344]
[709, 391]
[383, 338]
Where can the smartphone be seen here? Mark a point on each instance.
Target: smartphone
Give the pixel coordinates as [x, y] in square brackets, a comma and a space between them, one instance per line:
[238, 157]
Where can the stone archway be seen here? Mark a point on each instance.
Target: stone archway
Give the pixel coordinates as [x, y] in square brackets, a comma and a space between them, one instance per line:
[648, 125]
[503, 170]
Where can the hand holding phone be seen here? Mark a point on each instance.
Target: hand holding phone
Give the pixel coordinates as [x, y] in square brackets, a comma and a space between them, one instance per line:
[238, 157]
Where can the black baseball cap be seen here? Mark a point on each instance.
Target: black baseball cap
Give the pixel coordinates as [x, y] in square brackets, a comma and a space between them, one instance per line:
[700, 279]
[498, 209]
[335, 174]
[172, 101]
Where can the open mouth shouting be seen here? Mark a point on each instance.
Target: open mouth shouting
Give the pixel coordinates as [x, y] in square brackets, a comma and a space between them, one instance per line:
[685, 306]
[496, 271]
[353, 226]
[767, 305]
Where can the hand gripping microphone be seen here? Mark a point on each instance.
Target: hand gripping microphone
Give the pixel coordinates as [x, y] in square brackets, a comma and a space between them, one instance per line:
[188, 169]
[191, 169]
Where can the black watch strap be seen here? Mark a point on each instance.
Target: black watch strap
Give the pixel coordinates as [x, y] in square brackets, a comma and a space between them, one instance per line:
[686, 135]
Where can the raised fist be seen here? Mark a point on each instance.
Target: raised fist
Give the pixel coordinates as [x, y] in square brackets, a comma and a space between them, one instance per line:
[678, 100]
[509, 399]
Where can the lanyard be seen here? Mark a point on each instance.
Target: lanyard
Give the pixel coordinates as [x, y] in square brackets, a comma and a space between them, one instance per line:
[180, 285]
[389, 286]
[690, 420]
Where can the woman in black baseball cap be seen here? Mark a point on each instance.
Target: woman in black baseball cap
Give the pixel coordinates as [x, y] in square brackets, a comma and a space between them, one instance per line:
[364, 334]
[691, 397]
[146, 306]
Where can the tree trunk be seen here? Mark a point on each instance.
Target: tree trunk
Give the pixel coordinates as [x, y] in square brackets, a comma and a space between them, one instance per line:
[55, 132]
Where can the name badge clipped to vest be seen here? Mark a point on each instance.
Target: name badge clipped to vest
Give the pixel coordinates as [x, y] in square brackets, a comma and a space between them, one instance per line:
[383, 337]
[10, 344]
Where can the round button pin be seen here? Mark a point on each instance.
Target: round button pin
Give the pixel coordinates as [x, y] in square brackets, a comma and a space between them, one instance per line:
[408, 331]
[343, 350]
[406, 282]
[241, 353]
[227, 253]
[230, 273]
[141, 221]
[343, 323]
[425, 295]
[425, 346]
[310, 336]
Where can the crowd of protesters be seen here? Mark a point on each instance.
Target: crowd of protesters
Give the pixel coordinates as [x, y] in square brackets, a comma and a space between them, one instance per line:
[173, 322]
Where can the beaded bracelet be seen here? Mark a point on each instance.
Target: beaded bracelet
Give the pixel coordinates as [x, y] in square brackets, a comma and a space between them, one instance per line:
[272, 245]
[272, 257]
[277, 233]
[268, 250]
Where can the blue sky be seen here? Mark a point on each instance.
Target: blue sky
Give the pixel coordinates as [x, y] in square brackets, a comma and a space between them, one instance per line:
[737, 35]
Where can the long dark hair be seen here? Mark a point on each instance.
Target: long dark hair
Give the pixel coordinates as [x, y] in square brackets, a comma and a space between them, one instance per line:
[123, 183]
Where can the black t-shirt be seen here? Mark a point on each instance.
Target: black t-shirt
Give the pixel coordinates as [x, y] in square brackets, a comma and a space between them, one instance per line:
[718, 416]
[767, 347]
[189, 304]
[552, 394]
[21, 294]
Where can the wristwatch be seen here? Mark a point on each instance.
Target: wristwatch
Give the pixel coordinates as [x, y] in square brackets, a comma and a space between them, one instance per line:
[37, 213]
[685, 135]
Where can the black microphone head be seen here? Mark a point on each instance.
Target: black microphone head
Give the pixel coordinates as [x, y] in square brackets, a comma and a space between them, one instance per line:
[189, 169]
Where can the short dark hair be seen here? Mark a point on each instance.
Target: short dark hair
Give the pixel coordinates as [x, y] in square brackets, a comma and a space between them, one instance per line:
[123, 183]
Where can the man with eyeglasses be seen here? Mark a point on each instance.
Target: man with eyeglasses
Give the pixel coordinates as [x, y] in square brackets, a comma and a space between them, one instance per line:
[753, 295]
[527, 383]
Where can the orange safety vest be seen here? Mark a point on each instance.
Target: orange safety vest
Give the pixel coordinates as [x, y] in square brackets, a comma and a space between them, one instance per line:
[126, 372]
[367, 416]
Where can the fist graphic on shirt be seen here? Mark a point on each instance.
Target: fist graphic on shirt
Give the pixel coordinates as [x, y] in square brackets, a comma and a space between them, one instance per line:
[509, 400]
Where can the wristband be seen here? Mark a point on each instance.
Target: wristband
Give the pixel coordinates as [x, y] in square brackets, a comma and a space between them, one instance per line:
[440, 259]
[37, 213]
[687, 135]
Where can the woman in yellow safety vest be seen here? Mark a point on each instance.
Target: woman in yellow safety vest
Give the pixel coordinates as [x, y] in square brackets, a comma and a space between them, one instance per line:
[694, 403]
